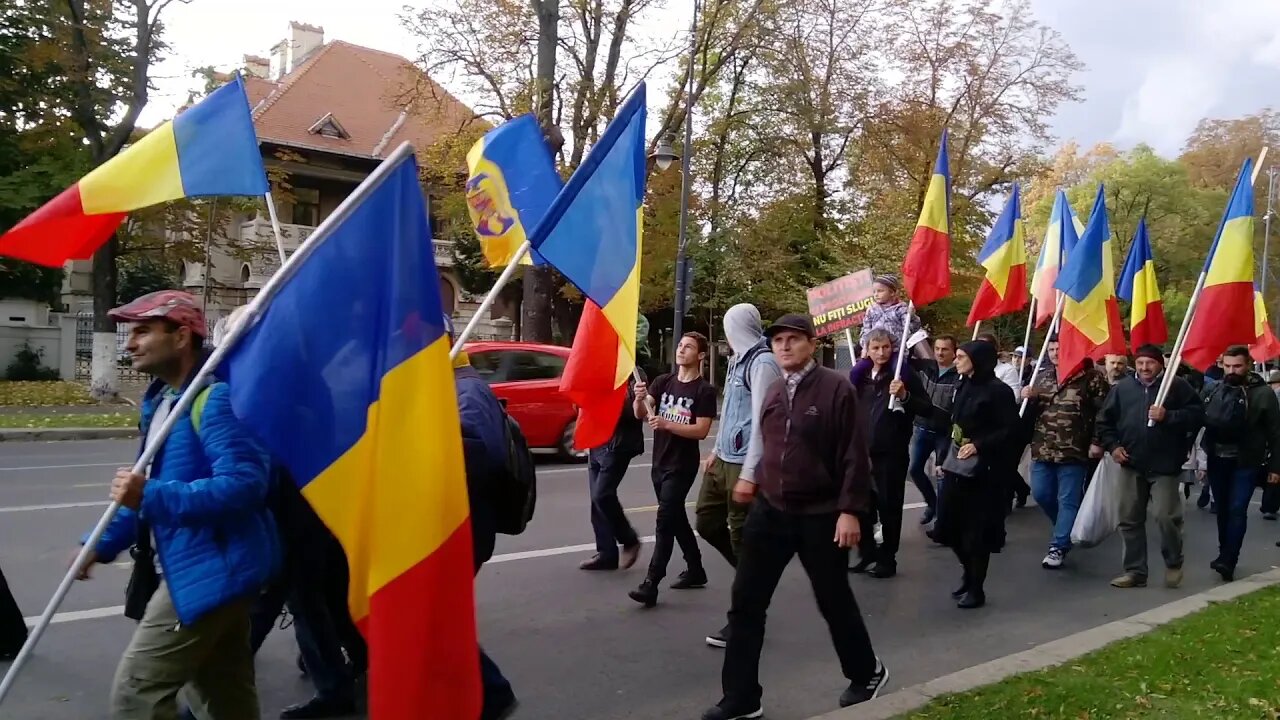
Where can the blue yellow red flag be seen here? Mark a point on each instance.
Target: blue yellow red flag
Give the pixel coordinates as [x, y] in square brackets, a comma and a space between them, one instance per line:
[926, 270]
[511, 182]
[1218, 322]
[1085, 325]
[1060, 237]
[592, 235]
[1004, 256]
[346, 379]
[1267, 345]
[208, 149]
[1139, 288]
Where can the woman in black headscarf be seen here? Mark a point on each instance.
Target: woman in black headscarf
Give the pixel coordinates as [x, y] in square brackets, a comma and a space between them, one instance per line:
[983, 416]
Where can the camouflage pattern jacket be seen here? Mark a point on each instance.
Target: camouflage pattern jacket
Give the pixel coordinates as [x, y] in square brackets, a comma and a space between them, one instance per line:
[1068, 415]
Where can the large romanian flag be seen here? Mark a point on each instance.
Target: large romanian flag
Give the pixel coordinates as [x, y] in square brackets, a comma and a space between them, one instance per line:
[346, 379]
[926, 270]
[208, 149]
[1115, 344]
[592, 235]
[1267, 345]
[1222, 316]
[1085, 324]
[511, 181]
[1061, 236]
[1139, 288]
[1004, 255]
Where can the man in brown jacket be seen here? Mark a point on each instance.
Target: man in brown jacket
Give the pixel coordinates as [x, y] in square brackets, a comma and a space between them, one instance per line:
[811, 484]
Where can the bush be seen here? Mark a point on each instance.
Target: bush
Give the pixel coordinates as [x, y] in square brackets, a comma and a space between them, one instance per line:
[28, 364]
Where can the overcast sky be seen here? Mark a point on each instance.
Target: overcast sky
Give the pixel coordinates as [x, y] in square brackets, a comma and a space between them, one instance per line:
[1154, 67]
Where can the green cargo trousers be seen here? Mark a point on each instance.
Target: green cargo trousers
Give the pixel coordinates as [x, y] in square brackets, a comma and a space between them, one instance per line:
[720, 519]
[210, 658]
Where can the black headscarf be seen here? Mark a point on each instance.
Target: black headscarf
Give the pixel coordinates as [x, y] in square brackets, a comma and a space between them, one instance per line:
[983, 356]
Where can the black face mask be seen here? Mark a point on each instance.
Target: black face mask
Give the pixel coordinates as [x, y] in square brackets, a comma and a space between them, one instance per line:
[1234, 379]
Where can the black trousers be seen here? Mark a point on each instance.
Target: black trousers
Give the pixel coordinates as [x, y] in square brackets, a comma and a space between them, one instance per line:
[770, 539]
[889, 472]
[672, 490]
[605, 471]
[13, 629]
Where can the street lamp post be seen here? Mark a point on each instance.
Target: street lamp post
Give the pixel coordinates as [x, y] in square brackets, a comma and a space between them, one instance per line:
[685, 182]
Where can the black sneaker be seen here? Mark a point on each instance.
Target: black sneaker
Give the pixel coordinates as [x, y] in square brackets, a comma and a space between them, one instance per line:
[865, 691]
[719, 638]
[646, 594]
[717, 712]
[883, 569]
[690, 579]
[598, 562]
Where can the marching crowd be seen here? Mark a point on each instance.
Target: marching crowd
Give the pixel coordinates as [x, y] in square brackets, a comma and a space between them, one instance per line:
[807, 462]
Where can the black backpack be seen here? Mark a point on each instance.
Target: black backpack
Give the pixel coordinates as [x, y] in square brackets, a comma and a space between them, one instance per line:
[1226, 412]
[515, 491]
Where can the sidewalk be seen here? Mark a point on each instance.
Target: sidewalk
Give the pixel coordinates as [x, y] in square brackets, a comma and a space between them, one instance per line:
[1049, 654]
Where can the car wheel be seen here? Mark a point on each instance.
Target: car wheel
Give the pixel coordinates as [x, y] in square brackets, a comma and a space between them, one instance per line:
[565, 449]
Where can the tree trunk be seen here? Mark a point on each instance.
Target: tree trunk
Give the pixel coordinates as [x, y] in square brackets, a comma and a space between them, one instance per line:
[104, 383]
[535, 324]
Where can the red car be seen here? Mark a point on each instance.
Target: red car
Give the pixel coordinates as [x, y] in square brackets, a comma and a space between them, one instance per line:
[527, 376]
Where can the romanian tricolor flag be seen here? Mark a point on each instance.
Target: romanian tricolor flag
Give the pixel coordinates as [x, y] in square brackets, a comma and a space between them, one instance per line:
[1004, 255]
[346, 379]
[1061, 236]
[1139, 288]
[208, 149]
[1085, 324]
[511, 181]
[1115, 333]
[1267, 345]
[1221, 318]
[592, 235]
[926, 271]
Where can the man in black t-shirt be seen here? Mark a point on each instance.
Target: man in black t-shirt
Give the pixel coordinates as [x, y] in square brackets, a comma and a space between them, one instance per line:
[680, 415]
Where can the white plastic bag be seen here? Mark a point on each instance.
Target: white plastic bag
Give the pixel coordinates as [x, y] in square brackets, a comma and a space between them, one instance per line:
[1100, 511]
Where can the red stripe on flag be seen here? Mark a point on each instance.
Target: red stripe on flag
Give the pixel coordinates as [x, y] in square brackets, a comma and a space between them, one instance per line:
[1074, 347]
[988, 304]
[589, 377]
[424, 661]
[1114, 344]
[1152, 330]
[59, 231]
[926, 271]
[1219, 323]
[1266, 347]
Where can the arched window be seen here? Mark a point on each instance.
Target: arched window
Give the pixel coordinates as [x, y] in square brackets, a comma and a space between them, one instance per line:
[448, 294]
[245, 272]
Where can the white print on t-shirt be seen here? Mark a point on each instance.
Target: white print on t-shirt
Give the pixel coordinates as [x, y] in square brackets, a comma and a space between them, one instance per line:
[678, 410]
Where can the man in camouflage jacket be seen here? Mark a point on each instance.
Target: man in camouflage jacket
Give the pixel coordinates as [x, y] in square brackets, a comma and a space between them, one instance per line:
[1060, 443]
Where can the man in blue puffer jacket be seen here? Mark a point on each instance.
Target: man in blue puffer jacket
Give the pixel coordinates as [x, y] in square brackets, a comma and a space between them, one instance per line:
[202, 506]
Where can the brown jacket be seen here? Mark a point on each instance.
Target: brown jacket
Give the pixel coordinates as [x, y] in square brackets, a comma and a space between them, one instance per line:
[820, 462]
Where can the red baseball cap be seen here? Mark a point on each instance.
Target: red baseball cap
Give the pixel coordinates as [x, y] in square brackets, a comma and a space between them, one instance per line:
[174, 305]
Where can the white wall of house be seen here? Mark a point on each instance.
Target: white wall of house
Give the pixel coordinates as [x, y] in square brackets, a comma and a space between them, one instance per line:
[55, 340]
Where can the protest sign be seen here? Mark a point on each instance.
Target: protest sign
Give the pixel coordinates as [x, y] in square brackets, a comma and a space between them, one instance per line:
[841, 303]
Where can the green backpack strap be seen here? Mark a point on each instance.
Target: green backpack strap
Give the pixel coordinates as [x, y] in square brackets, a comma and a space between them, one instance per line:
[197, 408]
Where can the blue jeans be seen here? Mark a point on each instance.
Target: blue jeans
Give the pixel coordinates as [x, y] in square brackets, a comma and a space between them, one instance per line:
[925, 442]
[1233, 490]
[1058, 489]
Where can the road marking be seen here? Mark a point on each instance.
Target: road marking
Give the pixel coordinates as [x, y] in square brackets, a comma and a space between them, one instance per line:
[52, 506]
[583, 467]
[61, 467]
[78, 615]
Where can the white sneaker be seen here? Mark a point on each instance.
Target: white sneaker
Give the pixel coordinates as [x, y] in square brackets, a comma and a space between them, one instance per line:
[1053, 561]
[879, 534]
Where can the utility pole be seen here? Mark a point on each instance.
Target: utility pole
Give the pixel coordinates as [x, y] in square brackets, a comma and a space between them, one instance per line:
[1266, 232]
[685, 183]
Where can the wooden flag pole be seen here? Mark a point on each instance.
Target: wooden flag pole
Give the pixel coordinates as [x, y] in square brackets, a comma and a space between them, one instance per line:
[976, 327]
[1044, 348]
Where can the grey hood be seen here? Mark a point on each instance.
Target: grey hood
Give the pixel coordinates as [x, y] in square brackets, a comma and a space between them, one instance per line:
[742, 327]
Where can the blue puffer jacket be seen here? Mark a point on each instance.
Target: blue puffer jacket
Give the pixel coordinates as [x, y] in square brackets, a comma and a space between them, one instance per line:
[206, 504]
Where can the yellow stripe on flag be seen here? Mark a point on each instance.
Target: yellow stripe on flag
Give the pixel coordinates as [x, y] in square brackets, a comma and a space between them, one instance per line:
[1233, 258]
[934, 212]
[623, 310]
[147, 173]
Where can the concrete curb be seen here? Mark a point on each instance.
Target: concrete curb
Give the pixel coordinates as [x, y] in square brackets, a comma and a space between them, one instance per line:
[47, 434]
[1049, 654]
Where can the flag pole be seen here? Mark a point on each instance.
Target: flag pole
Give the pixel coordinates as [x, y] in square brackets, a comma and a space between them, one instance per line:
[1044, 348]
[848, 338]
[1175, 359]
[275, 227]
[976, 327]
[252, 311]
[489, 299]
[902, 351]
[1026, 337]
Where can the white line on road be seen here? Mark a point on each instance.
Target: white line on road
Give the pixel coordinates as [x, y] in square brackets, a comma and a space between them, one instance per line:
[77, 615]
[61, 467]
[52, 506]
[583, 467]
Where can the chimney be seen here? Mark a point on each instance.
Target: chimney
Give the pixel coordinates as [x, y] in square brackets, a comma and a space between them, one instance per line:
[279, 60]
[303, 40]
[257, 66]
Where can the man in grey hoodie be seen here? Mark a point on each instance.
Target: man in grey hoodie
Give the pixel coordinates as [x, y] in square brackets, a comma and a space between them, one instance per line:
[752, 369]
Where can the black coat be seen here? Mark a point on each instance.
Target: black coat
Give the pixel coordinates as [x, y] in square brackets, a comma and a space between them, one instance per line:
[890, 430]
[1158, 450]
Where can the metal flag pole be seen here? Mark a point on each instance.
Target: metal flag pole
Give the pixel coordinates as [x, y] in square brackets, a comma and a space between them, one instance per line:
[252, 312]
[1175, 359]
[1026, 337]
[1044, 348]
[902, 352]
[275, 227]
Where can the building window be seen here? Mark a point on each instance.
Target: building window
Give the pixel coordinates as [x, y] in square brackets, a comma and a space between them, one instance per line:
[448, 295]
[306, 206]
[245, 272]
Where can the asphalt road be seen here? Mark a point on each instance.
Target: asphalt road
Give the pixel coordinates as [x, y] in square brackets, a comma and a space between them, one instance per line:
[572, 643]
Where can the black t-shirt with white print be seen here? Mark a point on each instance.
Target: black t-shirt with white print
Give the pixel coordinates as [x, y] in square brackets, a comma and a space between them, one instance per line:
[682, 403]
